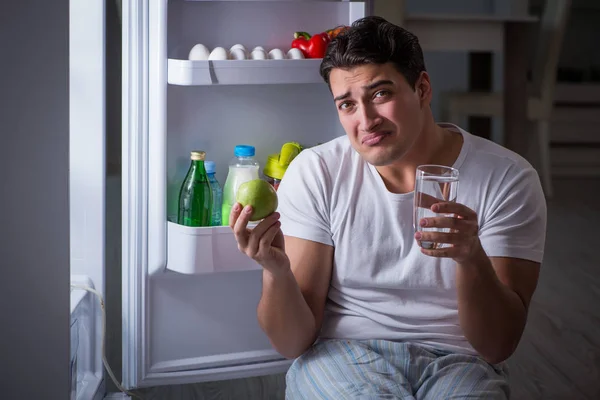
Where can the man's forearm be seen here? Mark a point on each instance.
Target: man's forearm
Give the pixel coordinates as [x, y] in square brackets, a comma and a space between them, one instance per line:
[491, 315]
[284, 315]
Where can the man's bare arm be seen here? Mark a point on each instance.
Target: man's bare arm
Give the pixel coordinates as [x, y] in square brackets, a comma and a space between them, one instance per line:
[493, 300]
[293, 298]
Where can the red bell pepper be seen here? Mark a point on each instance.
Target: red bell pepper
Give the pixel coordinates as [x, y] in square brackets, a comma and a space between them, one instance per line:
[311, 47]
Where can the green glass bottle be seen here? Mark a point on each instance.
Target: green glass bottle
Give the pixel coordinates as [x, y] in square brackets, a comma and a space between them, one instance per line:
[195, 196]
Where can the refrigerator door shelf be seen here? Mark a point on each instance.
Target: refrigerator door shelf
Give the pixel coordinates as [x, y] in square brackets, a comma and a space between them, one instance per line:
[204, 250]
[243, 72]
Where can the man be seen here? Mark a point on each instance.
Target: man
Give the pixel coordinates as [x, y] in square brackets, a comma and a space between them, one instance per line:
[348, 292]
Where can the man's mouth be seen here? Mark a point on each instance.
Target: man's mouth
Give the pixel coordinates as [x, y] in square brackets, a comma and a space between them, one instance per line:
[375, 138]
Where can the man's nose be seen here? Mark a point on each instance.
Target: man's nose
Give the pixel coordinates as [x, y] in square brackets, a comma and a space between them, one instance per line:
[369, 118]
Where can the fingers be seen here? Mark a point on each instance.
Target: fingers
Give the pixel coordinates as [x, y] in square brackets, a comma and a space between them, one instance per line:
[445, 252]
[258, 232]
[256, 243]
[266, 241]
[234, 214]
[442, 237]
[467, 226]
[454, 208]
[460, 241]
[458, 252]
[238, 220]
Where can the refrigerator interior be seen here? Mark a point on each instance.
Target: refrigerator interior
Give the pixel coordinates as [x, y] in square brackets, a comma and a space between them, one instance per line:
[202, 325]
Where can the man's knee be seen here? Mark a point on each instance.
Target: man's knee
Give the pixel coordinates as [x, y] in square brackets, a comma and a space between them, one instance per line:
[310, 375]
[336, 369]
[460, 376]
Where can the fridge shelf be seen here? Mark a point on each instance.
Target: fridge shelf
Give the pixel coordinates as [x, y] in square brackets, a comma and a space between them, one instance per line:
[194, 251]
[243, 72]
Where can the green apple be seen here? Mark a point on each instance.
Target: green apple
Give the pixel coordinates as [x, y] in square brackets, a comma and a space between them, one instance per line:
[260, 195]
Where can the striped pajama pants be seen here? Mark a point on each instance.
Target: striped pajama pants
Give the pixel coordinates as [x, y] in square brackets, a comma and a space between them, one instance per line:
[378, 369]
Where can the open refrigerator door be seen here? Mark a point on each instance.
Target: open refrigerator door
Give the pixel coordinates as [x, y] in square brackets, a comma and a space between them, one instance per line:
[201, 325]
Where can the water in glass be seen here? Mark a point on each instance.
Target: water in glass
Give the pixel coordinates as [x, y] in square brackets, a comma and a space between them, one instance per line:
[433, 184]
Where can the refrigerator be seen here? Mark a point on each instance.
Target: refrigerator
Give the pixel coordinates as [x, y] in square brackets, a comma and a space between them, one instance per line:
[189, 297]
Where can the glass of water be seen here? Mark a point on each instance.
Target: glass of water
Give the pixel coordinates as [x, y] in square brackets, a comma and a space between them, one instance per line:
[433, 184]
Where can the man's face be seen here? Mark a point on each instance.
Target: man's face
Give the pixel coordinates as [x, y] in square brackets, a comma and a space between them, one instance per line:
[381, 114]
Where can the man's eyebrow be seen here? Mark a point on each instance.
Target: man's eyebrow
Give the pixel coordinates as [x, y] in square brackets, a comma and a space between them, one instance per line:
[368, 87]
[342, 97]
[378, 83]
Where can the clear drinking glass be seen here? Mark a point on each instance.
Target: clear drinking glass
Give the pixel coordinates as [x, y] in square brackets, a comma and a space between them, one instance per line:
[433, 184]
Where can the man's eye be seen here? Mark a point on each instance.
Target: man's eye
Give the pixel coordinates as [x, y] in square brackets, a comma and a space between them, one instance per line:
[381, 93]
[344, 106]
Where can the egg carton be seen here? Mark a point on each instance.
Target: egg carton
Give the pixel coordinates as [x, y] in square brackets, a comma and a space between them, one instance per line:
[238, 52]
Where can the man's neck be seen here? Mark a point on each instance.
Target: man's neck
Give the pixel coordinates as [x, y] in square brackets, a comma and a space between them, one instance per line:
[435, 145]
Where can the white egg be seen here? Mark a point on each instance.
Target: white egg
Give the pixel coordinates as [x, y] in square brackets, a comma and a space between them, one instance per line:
[237, 46]
[258, 54]
[295, 54]
[276, 54]
[199, 52]
[238, 54]
[259, 48]
[218, 53]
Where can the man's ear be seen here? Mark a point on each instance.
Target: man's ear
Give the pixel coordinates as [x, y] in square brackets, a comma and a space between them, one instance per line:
[423, 87]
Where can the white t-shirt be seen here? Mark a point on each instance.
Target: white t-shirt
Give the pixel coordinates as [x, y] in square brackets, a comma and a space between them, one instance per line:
[382, 286]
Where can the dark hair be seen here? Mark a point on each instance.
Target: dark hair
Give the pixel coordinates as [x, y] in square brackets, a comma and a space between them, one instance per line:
[373, 40]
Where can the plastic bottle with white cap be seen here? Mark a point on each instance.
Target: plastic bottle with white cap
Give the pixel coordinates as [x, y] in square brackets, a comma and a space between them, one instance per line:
[242, 168]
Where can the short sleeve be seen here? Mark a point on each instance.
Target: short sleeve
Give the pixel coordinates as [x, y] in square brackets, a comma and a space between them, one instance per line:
[303, 196]
[514, 224]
